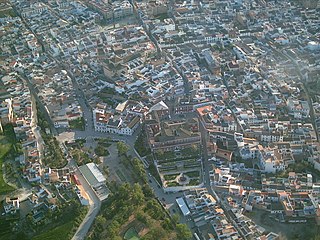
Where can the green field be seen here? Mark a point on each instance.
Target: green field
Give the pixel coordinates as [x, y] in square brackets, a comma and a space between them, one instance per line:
[5, 147]
[5, 229]
[131, 234]
[61, 232]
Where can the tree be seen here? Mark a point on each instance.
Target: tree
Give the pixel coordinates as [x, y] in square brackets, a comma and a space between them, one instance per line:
[117, 238]
[142, 217]
[106, 170]
[113, 229]
[147, 190]
[139, 169]
[101, 151]
[183, 232]
[122, 148]
[22, 236]
[154, 209]
[155, 233]
[137, 196]
[101, 221]
[175, 218]
[167, 224]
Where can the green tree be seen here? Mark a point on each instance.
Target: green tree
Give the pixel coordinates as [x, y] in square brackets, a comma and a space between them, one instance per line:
[155, 233]
[101, 151]
[154, 209]
[175, 218]
[167, 224]
[122, 148]
[142, 217]
[147, 190]
[101, 221]
[137, 196]
[183, 232]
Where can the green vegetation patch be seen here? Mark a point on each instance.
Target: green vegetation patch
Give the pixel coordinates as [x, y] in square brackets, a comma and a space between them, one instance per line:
[8, 13]
[162, 16]
[141, 145]
[193, 174]
[77, 124]
[131, 213]
[65, 222]
[160, 155]
[194, 182]
[101, 151]
[80, 156]
[172, 184]
[131, 234]
[60, 232]
[54, 157]
[190, 151]
[6, 143]
[170, 177]
[5, 229]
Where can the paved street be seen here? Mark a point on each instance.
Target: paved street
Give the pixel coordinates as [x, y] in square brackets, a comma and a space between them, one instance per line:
[94, 209]
[206, 165]
[207, 168]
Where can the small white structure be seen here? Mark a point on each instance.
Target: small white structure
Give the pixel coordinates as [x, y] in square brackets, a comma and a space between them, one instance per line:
[11, 205]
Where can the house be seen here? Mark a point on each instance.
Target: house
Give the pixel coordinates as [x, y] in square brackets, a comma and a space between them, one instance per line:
[11, 205]
[298, 108]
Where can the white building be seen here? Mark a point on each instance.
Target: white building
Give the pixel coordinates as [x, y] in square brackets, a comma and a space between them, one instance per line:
[107, 122]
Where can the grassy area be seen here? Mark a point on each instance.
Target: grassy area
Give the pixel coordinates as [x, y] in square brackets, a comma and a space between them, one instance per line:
[192, 151]
[77, 124]
[6, 143]
[299, 166]
[172, 184]
[60, 232]
[101, 151]
[194, 182]
[247, 163]
[104, 142]
[170, 177]
[141, 145]
[5, 229]
[63, 224]
[7, 13]
[193, 174]
[160, 155]
[81, 142]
